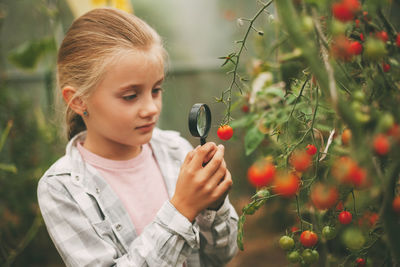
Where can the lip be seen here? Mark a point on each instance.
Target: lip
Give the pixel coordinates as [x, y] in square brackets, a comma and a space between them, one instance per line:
[146, 127]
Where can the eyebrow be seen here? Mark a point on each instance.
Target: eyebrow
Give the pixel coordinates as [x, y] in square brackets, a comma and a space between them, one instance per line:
[138, 86]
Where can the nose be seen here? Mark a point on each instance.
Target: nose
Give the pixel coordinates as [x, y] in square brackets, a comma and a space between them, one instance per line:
[149, 107]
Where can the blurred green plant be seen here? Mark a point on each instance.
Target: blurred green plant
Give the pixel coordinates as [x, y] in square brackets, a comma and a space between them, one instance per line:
[29, 143]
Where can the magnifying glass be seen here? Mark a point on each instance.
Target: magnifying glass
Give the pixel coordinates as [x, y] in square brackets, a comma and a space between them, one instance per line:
[200, 121]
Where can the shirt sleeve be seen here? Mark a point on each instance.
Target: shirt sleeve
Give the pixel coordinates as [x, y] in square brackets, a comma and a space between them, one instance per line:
[167, 241]
[218, 233]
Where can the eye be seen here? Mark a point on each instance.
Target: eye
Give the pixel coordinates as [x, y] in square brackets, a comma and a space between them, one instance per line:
[129, 97]
[157, 91]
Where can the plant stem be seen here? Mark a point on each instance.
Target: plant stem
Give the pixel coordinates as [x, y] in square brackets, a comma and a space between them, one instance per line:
[228, 117]
[37, 223]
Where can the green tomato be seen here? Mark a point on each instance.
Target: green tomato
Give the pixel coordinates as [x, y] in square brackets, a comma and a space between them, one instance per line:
[362, 117]
[307, 24]
[374, 49]
[359, 95]
[386, 121]
[329, 232]
[338, 27]
[286, 242]
[315, 255]
[293, 256]
[353, 238]
[308, 256]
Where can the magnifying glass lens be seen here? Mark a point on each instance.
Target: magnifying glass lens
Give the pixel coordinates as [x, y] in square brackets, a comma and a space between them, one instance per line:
[201, 121]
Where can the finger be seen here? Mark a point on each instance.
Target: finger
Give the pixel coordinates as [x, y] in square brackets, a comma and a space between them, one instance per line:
[216, 161]
[188, 157]
[225, 185]
[210, 155]
[201, 153]
[218, 176]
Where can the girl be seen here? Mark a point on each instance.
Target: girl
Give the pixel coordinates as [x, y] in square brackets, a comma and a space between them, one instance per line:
[127, 193]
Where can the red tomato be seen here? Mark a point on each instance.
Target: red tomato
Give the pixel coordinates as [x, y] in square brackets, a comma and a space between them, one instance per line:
[394, 132]
[261, 174]
[358, 176]
[385, 67]
[287, 185]
[300, 160]
[346, 137]
[339, 206]
[396, 204]
[360, 262]
[341, 48]
[341, 12]
[294, 229]
[308, 238]
[347, 171]
[381, 144]
[398, 40]
[323, 196]
[311, 150]
[345, 217]
[382, 36]
[353, 5]
[356, 48]
[245, 108]
[225, 132]
[368, 219]
[361, 37]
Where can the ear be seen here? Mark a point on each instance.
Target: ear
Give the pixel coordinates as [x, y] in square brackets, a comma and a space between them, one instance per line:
[74, 102]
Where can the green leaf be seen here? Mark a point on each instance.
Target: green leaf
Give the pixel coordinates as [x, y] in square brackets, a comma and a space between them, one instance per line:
[8, 167]
[252, 140]
[27, 55]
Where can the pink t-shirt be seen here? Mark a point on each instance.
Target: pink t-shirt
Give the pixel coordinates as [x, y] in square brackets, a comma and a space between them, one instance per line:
[138, 182]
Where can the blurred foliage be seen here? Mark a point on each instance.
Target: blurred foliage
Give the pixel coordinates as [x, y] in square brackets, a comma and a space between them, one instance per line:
[29, 144]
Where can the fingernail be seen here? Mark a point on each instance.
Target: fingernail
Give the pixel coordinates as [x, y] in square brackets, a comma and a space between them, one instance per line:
[221, 146]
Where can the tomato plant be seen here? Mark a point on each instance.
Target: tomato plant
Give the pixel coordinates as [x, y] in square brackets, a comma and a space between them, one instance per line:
[225, 132]
[333, 82]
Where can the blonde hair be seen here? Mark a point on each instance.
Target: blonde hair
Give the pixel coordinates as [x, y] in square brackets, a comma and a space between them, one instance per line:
[90, 45]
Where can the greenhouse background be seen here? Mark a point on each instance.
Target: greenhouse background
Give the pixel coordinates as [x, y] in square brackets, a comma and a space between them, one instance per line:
[195, 33]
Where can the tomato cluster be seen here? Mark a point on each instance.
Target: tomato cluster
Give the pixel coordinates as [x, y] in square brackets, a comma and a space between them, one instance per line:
[305, 254]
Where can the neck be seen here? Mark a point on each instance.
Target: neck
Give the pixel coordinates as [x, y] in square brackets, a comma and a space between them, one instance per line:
[109, 149]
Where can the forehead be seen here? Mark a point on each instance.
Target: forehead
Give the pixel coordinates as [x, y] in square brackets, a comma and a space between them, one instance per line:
[140, 57]
[128, 65]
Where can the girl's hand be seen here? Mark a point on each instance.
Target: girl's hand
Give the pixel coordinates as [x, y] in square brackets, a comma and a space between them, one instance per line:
[199, 187]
